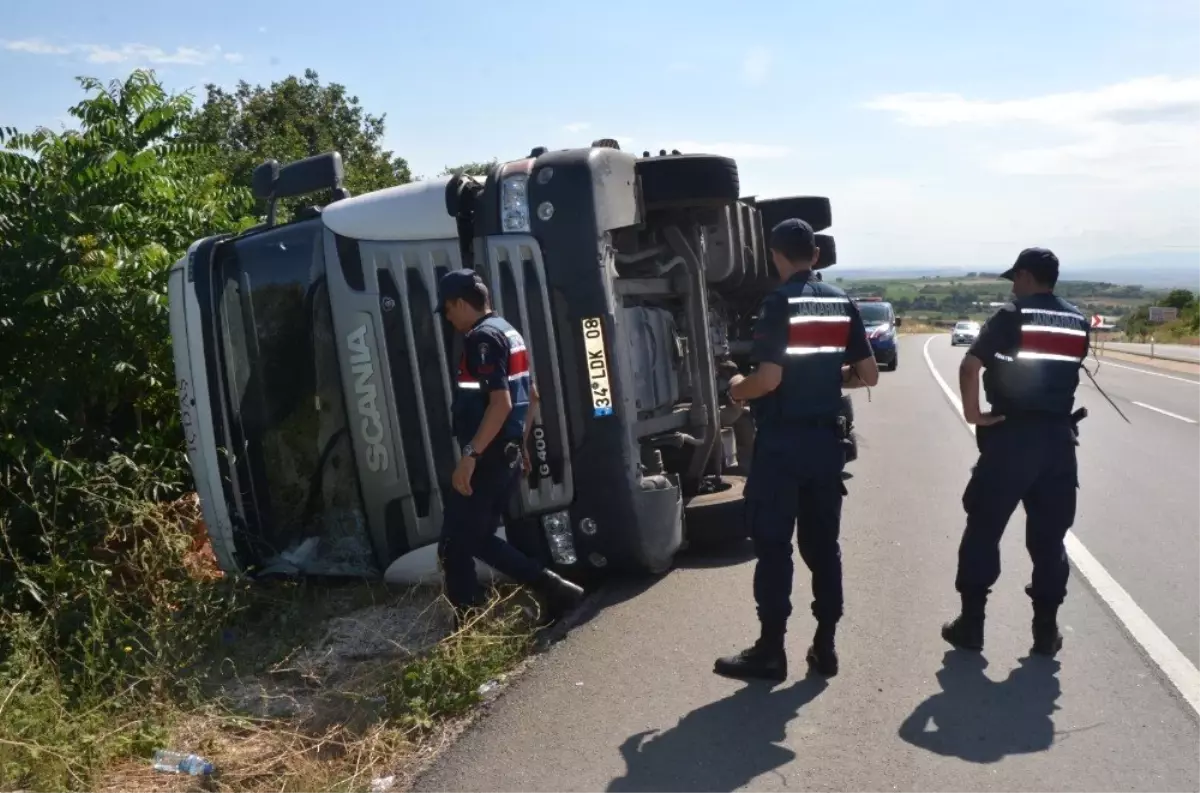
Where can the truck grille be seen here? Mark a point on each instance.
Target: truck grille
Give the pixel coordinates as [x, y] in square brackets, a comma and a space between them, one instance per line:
[422, 351]
[516, 276]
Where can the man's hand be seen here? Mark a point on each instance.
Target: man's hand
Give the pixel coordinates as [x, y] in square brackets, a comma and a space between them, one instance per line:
[983, 419]
[462, 475]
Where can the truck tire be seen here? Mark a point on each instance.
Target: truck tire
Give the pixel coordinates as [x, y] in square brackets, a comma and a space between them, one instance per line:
[714, 520]
[688, 180]
[813, 210]
[826, 250]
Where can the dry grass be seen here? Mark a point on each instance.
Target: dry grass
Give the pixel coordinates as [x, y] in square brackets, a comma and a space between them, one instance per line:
[913, 327]
[282, 686]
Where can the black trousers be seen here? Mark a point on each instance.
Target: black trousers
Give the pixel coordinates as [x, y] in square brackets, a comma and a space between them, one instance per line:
[796, 488]
[1029, 462]
[469, 526]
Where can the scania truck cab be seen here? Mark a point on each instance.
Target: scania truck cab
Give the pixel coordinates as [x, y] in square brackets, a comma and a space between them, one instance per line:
[315, 379]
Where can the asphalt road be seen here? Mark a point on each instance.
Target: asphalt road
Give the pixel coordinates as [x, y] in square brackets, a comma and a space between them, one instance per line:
[628, 701]
[1181, 352]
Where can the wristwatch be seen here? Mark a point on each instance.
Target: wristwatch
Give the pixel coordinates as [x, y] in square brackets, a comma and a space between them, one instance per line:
[469, 451]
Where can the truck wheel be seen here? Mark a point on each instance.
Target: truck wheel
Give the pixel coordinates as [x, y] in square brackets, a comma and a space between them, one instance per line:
[813, 210]
[688, 180]
[827, 251]
[713, 520]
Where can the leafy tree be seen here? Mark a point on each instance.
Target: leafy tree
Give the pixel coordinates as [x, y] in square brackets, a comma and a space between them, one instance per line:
[1181, 299]
[469, 169]
[90, 221]
[293, 119]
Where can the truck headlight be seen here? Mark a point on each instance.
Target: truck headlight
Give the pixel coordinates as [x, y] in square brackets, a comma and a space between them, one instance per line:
[514, 204]
[557, 526]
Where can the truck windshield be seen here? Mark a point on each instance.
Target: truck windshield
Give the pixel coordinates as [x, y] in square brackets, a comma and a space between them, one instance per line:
[875, 313]
[295, 464]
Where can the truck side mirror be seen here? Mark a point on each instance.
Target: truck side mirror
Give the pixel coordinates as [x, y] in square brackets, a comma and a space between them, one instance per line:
[263, 181]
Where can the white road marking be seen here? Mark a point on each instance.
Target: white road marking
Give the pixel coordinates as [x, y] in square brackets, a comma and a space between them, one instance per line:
[1181, 673]
[1106, 362]
[1164, 412]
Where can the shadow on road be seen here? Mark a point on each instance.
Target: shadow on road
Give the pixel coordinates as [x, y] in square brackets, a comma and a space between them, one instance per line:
[981, 721]
[718, 747]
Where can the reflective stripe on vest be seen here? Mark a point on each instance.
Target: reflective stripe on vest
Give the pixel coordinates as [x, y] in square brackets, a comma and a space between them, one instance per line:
[1048, 335]
[518, 363]
[818, 325]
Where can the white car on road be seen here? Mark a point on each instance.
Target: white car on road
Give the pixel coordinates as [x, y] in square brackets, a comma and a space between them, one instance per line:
[964, 333]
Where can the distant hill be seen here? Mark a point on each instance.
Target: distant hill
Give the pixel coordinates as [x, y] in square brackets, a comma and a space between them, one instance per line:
[1154, 270]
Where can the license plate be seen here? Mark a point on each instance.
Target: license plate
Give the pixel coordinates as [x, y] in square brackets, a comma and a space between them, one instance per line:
[597, 366]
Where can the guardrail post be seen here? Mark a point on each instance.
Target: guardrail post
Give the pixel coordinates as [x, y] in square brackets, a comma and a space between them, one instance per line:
[1151, 346]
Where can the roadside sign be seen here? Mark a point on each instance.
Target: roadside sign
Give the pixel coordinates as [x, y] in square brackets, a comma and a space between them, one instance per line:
[1097, 320]
[1163, 313]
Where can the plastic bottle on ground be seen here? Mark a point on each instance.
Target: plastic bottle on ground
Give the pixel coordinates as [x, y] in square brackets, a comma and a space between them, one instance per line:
[180, 763]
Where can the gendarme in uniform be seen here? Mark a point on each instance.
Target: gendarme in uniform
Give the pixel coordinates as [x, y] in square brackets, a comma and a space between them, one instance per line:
[810, 330]
[494, 363]
[1031, 352]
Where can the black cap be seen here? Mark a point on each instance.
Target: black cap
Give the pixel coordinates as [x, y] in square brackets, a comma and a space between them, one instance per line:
[1041, 263]
[794, 239]
[458, 284]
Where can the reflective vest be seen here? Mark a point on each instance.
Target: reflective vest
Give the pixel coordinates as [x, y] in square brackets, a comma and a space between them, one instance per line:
[1039, 374]
[818, 332]
[470, 401]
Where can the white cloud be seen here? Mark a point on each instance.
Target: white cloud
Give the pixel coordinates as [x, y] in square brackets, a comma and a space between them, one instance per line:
[739, 151]
[136, 53]
[575, 127]
[1140, 132]
[35, 47]
[756, 66]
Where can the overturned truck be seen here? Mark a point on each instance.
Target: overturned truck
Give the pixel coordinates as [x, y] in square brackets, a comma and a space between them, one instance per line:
[315, 379]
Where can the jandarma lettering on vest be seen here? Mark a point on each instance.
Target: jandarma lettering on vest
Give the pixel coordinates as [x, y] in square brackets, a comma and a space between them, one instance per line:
[1052, 335]
[818, 325]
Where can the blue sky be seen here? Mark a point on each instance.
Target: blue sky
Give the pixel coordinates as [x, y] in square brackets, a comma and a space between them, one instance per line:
[944, 132]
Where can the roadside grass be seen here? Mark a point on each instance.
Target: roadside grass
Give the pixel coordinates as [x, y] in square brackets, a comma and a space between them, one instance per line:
[135, 641]
[914, 327]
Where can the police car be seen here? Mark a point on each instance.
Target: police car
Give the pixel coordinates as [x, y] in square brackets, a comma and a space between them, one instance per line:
[881, 322]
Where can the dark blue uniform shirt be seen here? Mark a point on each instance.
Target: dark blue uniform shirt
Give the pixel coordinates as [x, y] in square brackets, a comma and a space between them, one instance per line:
[494, 357]
[1032, 349]
[810, 329]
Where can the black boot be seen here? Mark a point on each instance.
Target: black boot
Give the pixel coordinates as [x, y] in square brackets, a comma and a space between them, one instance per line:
[822, 656]
[966, 630]
[563, 595]
[1046, 638]
[765, 660]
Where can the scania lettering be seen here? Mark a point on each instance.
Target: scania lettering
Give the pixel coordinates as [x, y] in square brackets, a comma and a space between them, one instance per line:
[372, 427]
[633, 281]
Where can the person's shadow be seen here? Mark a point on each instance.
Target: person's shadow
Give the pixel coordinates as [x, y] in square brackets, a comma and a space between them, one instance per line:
[720, 746]
[980, 721]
